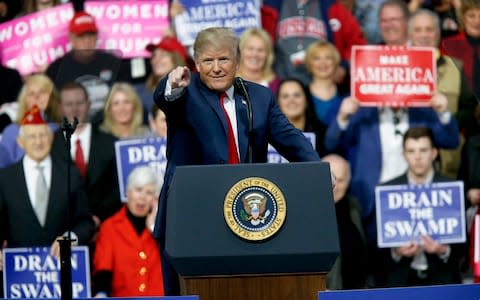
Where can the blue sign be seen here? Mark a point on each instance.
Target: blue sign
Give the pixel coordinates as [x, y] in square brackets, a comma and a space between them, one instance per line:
[139, 152]
[34, 273]
[201, 14]
[407, 212]
[439, 292]
[274, 157]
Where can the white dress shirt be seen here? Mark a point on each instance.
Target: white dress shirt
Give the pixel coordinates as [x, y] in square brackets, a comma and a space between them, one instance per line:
[228, 104]
[31, 173]
[84, 137]
[391, 142]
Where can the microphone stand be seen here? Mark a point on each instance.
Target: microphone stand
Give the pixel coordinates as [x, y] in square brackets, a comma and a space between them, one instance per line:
[66, 241]
[243, 91]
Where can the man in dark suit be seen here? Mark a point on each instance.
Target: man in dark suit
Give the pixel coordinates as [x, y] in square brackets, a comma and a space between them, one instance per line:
[201, 130]
[430, 262]
[92, 151]
[34, 205]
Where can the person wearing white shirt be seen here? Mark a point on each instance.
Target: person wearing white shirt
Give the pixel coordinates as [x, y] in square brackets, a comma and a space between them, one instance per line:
[35, 209]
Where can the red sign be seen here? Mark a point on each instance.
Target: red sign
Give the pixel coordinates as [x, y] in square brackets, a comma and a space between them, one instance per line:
[393, 75]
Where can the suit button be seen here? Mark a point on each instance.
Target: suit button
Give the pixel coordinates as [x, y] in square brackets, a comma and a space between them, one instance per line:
[221, 161]
[142, 271]
[142, 255]
[141, 287]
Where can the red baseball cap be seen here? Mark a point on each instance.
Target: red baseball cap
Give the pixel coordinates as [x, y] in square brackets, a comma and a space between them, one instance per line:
[33, 117]
[81, 23]
[169, 44]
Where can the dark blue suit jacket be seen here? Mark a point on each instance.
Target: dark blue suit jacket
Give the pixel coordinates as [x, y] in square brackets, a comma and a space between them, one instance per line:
[18, 221]
[197, 132]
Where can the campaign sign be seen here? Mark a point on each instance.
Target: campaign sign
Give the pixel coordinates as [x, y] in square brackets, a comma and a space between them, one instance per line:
[129, 26]
[407, 212]
[30, 43]
[439, 292]
[134, 153]
[393, 76]
[274, 157]
[34, 273]
[200, 14]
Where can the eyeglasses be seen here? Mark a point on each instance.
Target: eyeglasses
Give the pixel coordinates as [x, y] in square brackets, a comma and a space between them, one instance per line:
[391, 20]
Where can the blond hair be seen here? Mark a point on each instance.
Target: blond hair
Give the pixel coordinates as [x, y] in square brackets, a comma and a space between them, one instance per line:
[51, 111]
[108, 123]
[320, 45]
[267, 70]
[216, 38]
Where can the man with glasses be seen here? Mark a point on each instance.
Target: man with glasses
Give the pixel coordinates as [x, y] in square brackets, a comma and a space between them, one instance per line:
[393, 17]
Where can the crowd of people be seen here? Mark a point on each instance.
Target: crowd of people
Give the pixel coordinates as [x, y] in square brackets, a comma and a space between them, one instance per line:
[300, 55]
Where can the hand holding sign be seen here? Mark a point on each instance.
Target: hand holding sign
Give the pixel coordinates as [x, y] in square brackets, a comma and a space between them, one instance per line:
[55, 249]
[439, 102]
[433, 247]
[409, 250]
[179, 77]
[348, 107]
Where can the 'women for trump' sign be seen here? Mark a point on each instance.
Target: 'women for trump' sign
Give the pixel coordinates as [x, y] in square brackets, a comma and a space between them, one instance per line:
[30, 43]
[407, 212]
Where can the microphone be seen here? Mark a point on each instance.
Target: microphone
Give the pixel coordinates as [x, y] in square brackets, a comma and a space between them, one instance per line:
[241, 89]
[68, 128]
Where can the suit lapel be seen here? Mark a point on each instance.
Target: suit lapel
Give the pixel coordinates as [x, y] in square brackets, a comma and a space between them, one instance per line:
[214, 102]
[23, 195]
[55, 202]
[93, 158]
[242, 126]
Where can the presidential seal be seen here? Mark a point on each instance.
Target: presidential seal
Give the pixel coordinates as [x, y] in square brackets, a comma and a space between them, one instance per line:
[254, 208]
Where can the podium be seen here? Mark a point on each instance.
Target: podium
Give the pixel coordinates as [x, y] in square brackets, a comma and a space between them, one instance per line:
[217, 262]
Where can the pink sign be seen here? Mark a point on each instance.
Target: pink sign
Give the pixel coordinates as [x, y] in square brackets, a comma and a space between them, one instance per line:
[393, 76]
[32, 42]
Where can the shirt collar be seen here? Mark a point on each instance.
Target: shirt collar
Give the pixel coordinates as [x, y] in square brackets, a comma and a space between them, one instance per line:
[229, 92]
[428, 179]
[31, 164]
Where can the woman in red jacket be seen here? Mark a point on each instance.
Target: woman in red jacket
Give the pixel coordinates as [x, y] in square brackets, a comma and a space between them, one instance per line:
[127, 258]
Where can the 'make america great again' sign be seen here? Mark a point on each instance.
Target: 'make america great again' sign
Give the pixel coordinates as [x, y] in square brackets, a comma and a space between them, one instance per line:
[393, 76]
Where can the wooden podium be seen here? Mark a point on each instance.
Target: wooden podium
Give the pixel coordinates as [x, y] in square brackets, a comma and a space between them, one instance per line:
[255, 287]
[217, 264]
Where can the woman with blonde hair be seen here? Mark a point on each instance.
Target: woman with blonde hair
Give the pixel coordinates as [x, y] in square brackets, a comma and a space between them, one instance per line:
[123, 112]
[256, 58]
[38, 90]
[322, 60]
